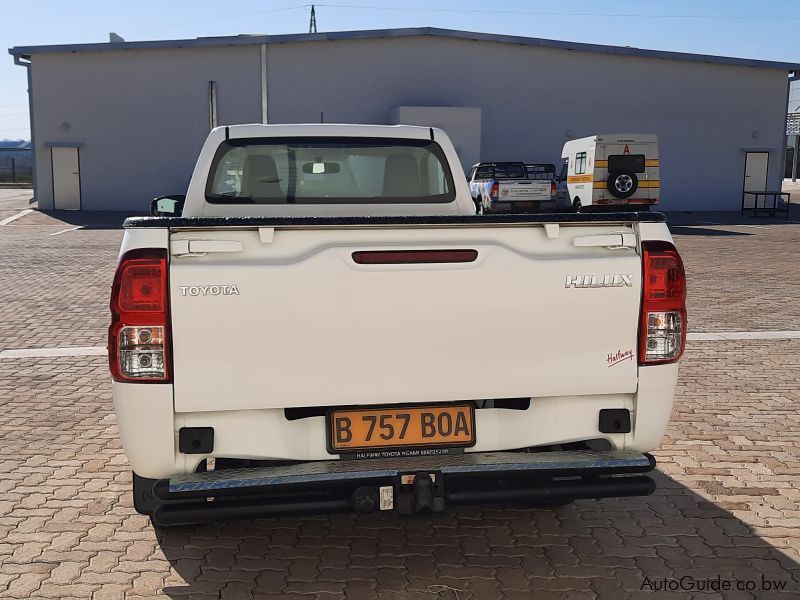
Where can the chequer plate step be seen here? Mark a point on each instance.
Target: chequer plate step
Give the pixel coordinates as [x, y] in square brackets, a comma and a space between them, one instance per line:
[541, 463]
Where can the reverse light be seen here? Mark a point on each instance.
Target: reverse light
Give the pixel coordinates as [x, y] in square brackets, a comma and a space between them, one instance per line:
[662, 331]
[138, 338]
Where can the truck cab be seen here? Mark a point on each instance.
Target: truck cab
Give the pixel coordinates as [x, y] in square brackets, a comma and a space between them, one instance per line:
[508, 187]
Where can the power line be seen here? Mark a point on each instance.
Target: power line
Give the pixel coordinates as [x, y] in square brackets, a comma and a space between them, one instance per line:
[543, 13]
[540, 13]
[228, 17]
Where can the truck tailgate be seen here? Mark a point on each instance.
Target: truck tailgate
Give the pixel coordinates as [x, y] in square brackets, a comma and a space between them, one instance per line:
[524, 191]
[287, 317]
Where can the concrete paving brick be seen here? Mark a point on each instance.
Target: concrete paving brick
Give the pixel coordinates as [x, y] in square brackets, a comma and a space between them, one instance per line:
[728, 502]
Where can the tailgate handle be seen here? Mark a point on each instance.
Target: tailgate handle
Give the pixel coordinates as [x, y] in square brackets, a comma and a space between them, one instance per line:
[611, 240]
[202, 247]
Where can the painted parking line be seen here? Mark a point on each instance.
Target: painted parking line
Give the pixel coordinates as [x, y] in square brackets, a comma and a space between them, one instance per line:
[743, 335]
[692, 337]
[54, 352]
[67, 230]
[750, 225]
[13, 218]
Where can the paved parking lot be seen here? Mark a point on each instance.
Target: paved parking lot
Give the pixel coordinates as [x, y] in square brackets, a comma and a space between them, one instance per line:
[727, 506]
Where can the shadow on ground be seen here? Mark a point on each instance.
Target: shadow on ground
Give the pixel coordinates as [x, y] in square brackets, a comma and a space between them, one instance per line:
[716, 218]
[90, 219]
[704, 231]
[610, 549]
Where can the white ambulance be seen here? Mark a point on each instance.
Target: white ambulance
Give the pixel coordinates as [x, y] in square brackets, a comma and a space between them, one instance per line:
[612, 170]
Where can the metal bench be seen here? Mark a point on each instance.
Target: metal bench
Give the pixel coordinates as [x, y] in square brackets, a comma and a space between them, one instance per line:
[777, 198]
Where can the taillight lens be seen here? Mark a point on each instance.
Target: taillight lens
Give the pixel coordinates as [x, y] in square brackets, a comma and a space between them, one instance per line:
[138, 338]
[553, 188]
[495, 191]
[662, 331]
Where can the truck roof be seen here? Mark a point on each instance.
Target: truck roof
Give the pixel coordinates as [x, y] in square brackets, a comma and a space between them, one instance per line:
[612, 138]
[330, 130]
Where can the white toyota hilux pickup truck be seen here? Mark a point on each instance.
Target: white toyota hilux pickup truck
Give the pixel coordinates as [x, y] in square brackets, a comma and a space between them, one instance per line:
[328, 326]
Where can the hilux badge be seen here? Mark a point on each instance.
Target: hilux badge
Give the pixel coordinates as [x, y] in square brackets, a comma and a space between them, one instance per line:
[595, 281]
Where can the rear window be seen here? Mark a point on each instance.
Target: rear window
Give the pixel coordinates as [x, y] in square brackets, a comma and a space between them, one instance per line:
[501, 171]
[329, 171]
[485, 172]
[544, 172]
[626, 162]
[509, 171]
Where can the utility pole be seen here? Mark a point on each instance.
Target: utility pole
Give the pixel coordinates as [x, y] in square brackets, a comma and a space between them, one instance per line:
[312, 24]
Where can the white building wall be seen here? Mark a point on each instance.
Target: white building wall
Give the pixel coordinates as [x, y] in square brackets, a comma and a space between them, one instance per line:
[140, 116]
[531, 98]
[462, 124]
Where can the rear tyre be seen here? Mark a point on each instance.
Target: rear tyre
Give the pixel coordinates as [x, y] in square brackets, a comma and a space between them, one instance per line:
[143, 499]
[576, 206]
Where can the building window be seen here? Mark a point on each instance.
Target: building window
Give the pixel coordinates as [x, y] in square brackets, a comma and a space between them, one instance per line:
[790, 168]
[580, 163]
[793, 124]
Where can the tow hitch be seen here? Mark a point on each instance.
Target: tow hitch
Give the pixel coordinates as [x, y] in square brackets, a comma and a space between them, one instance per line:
[411, 493]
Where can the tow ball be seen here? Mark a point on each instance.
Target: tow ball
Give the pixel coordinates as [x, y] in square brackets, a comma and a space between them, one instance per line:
[411, 493]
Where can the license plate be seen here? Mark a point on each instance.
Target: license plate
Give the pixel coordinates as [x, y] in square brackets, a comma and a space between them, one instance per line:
[351, 430]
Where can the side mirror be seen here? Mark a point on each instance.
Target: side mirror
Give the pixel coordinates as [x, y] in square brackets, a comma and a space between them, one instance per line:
[167, 206]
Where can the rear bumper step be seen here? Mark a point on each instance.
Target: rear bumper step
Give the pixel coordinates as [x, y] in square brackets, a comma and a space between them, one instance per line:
[405, 484]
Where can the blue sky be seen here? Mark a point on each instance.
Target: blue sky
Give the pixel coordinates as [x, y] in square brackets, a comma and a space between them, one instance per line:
[768, 29]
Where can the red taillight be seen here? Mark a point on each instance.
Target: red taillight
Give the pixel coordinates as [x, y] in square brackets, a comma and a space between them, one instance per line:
[495, 191]
[138, 338]
[410, 257]
[662, 330]
[553, 188]
[142, 285]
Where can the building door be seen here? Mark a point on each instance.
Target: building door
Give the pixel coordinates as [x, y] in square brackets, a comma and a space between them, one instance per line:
[66, 178]
[756, 165]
